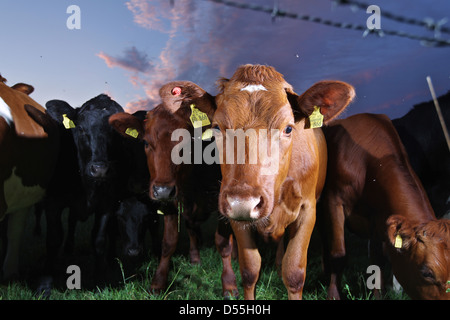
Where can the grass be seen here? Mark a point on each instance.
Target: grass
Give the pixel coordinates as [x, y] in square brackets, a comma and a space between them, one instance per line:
[186, 281]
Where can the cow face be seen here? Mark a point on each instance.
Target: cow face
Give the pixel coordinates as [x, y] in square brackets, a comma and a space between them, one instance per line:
[155, 131]
[159, 133]
[133, 219]
[95, 140]
[258, 100]
[164, 173]
[91, 132]
[421, 256]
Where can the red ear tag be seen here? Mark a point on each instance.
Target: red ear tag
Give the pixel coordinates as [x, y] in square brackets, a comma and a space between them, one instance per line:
[176, 91]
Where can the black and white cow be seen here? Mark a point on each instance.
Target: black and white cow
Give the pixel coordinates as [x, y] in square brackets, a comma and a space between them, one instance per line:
[28, 151]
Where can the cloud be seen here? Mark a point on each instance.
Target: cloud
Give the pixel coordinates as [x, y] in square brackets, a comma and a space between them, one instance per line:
[147, 15]
[206, 40]
[132, 60]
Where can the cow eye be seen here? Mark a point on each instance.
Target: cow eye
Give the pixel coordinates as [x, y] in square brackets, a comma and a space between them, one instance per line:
[287, 131]
[146, 145]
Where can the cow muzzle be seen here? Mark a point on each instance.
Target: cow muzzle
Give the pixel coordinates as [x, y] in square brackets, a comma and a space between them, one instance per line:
[243, 208]
[98, 170]
[163, 192]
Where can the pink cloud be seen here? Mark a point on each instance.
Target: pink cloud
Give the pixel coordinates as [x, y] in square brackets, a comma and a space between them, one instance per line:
[132, 60]
[141, 104]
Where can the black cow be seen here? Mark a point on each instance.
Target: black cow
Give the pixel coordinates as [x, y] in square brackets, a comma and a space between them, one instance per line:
[135, 216]
[423, 138]
[65, 190]
[106, 163]
[137, 212]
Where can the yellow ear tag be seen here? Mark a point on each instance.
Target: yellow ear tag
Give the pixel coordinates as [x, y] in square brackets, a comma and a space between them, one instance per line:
[316, 118]
[160, 212]
[207, 134]
[199, 119]
[68, 124]
[398, 242]
[132, 132]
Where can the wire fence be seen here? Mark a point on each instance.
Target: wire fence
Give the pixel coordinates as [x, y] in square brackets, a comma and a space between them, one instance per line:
[429, 23]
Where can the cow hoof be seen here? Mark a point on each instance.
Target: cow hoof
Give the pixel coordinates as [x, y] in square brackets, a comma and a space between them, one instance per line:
[156, 289]
[195, 259]
[333, 293]
[231, 295]
[44, 289]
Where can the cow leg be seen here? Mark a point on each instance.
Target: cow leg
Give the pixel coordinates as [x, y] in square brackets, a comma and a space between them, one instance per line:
[54, 235]
[194, 242]
[224, 244]
[279, 255]
[72, 224]
[332, 221]
[294, 261]
[169, 244]
[249, 259]
[99, 242]
[377, 258]
[156, 242]
[16, 224]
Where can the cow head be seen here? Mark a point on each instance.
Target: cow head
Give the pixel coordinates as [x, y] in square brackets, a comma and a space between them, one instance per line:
[12, 108]
[257, 100]
[421, 256]
[95, 140]
[159, 133]
[132, 216]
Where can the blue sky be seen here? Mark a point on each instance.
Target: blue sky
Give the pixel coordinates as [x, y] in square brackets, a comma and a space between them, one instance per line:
[128, 49]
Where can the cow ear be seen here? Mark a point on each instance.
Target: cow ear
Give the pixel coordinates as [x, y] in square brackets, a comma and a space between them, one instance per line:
[60, 111]
[400, 232]
[329, 97]
[23, 87]
[174, 94]
[127, 125]
[41, 118]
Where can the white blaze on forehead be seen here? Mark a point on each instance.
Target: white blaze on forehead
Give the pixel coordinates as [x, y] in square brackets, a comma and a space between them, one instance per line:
[5, 112]
[254, 87]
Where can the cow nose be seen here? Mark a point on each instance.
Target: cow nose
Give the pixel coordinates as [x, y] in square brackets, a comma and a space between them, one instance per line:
[98, 169]
[241, 208]
[164, 192]
[133, 252]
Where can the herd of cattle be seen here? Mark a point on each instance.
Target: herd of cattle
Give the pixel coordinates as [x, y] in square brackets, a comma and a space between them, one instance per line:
[382, 180]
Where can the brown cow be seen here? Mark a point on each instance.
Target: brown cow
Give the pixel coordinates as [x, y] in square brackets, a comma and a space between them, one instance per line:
[190, 187]
[27, 158]
[273, 196]
[372, 189]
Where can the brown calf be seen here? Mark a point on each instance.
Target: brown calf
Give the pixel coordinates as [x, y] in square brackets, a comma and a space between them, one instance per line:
[277, 192]
[372, 189]
[190, 187]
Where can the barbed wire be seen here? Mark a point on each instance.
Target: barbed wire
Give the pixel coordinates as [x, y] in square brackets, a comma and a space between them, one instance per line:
[275, 11]
[428, 23]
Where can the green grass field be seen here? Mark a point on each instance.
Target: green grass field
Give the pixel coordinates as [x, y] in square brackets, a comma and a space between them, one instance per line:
[186, 281]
